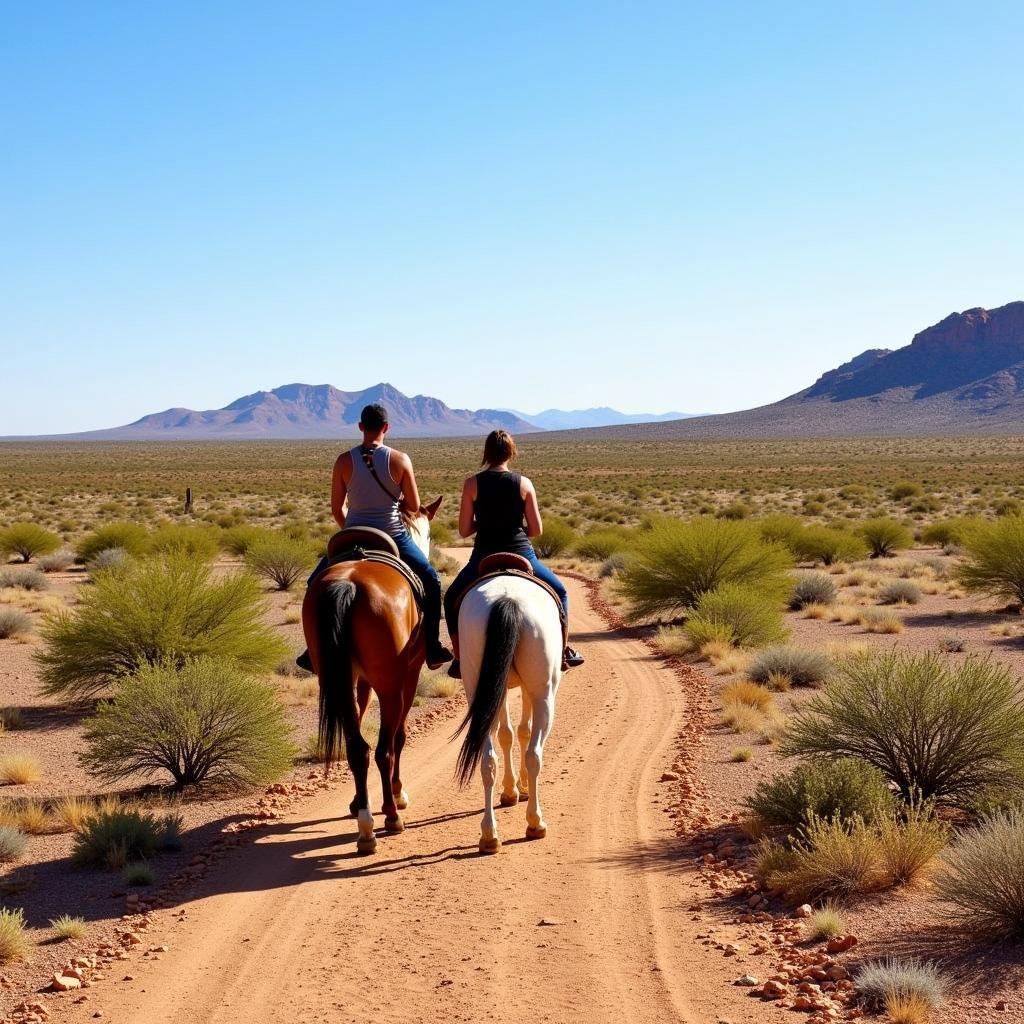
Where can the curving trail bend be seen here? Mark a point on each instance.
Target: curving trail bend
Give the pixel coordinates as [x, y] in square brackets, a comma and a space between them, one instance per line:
[298, 927]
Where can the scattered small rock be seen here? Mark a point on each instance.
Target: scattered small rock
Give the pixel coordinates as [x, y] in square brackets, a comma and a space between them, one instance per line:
[747, 980]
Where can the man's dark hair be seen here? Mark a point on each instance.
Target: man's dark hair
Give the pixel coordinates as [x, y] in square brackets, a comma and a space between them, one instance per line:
[374, 417]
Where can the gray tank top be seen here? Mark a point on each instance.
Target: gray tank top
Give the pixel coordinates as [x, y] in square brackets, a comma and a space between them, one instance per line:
[368, 505]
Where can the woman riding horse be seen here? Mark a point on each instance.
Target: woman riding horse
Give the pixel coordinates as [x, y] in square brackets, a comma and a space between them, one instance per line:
[501, 508]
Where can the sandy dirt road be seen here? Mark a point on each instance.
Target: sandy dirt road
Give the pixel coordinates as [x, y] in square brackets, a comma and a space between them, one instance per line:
[299, 927]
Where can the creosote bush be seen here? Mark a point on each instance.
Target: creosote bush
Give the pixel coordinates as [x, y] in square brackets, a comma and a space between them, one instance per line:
[130, 537]
[27, 541]
[558, 537]
[602, 544]
[751, 618]
[828, 545]
[983, 875]
[204, 721]
[936, 729]
[800, 666]
[674, 563]
[813, 588]
[280, 560]
[885, 537]
[196, 541]
[153, 610]
[844, 789]
[994, 559]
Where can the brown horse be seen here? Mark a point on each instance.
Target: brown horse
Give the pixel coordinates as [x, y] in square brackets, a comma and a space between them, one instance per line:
[364, 632]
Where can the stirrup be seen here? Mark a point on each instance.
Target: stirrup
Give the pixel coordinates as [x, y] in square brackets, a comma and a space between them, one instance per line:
[571, 658]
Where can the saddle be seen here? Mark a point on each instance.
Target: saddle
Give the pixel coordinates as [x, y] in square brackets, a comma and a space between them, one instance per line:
[366, 544]
[505, 563]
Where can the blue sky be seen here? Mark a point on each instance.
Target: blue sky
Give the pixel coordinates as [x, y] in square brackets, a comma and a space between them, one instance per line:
[652, 206]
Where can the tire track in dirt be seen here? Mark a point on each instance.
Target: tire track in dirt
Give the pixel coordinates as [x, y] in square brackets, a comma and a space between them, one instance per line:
[299, 927]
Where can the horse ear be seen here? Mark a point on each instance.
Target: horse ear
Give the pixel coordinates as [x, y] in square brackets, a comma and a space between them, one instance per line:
[431, 509]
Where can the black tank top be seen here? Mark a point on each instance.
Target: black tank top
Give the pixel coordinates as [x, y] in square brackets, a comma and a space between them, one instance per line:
[499, 509]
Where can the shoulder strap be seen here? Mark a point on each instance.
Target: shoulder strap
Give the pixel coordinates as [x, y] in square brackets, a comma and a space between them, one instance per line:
[367, 456]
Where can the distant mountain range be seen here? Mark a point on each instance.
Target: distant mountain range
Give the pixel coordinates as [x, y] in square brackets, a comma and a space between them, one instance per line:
[571, 419]
[963, 375]
[300, 411]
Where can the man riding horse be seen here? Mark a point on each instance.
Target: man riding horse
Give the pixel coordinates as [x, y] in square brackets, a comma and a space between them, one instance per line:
[378, 483]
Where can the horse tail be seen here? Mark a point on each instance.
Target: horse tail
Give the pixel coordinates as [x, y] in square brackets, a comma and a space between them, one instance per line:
[504, 624]
[338, 715]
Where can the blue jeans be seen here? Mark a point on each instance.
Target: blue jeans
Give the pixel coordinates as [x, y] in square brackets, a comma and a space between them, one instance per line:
[427, 575]
[469, 573]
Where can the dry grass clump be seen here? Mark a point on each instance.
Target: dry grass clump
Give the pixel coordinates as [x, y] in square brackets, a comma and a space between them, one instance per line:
[27, 579]
[73, 811]
[67, 927]
[826, 923]
[801, 666]
[438, 685]
[878, 620]
[899, 592]
[908, 1008]
[14, 624]
[814, 588]
[725, 658]
[59, 561]
[910, 842]
[14, 942]
[19, 770]
[902, 983]
[814, 611]
[139, 873]
[741, 755]
[673, 641]
[31, 816]
[115, 838]
[13, 844]
[11, 718]
[845, 613]
[743, 691]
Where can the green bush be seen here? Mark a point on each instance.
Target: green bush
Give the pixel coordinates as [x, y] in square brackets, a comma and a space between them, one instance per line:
[602, 544]
[558, 537]
[130, 537]
[279, 560]
[937, 730]
[751, 618]
[27, 540]
[983, 876]
[828, 545]
[781, 529]
[813, 588]
[441, 534]
[114, 838]
[196, 541]
[904, 489]
[236, 539]
[700, 631]
[950, 531]
[14, 941]
[802, 666]
[994, 559]
[845, 789]
[149, 611]
[884, 537]
[674, 563]
[206, 721]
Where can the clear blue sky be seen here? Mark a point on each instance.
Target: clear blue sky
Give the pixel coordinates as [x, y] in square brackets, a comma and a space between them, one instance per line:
[653, 206]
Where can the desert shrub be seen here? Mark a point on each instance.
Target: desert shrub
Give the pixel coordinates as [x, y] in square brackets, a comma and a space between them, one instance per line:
[27, 579]
[59, 561]
[27, 541]
[813, 588]
[983, 875]
[108, 559]
[881, 982]
[751, 618]
[831, 858]
[11, 718]
[743, 691]
[903, 489]
[602, 544]
[130, 537]
[741, 755]
[73, 811]
[950, 531]
[203, 721]
[444, 563]
[236, 539]
[613, 564]
[826, 923]
[935, 729]
[13, 843]
[735, 510]
[994, 560]
[675, 563]
[951, 644]
[828, 545]
[14, 624]
[279, 560]
[781, 529]
[1007, 507]
[885, 536]
[139, 873]
[911, 840]
[878, 620]
[558, 537]
[844, 789]
[116, 837]
[67, 927]
[801, 666]
[14, 942]
[700, 633]
[195, 541]
[155, 609]
[441, 534]
[899, 592]
[18, 770]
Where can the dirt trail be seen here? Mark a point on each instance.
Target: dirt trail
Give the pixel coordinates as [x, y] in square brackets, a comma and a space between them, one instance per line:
[298, 927]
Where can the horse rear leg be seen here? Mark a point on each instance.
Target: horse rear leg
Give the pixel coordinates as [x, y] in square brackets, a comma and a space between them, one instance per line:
[523, 734]
[363, 693]
[358, 751]
[408, 696]
[489, 841]
[543, 717]
[509, 791]
[390, 722]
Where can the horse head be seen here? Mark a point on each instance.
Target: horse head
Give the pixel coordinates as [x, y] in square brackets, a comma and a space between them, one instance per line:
[419, 526]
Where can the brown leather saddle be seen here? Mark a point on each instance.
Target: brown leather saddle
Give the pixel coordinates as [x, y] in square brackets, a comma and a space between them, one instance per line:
[505, 563]
[366, 544]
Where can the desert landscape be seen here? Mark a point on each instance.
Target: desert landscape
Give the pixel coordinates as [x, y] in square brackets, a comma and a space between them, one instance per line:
[730, 598]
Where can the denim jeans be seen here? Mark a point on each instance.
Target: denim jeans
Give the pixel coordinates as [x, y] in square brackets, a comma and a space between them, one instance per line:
[427, 575]
[469, 573]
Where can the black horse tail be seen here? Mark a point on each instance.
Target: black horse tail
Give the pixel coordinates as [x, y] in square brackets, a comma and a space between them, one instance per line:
[504, 624]
[338, 715]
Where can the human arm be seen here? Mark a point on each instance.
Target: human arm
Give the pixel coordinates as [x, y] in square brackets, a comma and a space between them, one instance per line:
[339, 486]
[402, 474]
[534, 525]
[467, 521]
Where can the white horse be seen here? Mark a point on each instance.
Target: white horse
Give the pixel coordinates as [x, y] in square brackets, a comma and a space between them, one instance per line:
[510, 635]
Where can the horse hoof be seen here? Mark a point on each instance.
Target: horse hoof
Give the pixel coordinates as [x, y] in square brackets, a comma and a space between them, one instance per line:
[492, 845]
[394, 825]
[402, 800]
[509, 799]
[524, 795]
[536, 831]
[366, 844]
